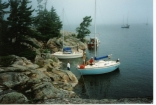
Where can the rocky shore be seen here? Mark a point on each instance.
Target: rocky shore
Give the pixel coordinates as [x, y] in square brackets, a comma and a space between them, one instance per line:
[95, 101]
[24, 81]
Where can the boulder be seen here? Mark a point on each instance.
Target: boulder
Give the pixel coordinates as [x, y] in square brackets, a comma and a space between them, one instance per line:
[11, 79]
[44, 90]
[13, 98]
[23, 63]
[56, 44]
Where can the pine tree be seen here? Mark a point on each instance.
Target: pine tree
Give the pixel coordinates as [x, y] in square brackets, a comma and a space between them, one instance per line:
[19, 30]
[3, 6]
[57, 24]
[48, 24]
[83, 30]
[3, 27]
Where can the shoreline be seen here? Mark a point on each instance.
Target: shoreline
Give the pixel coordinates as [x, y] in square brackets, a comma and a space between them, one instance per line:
[147, 100]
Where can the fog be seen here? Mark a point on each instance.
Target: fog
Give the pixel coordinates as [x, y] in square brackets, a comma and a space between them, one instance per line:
[107, 11]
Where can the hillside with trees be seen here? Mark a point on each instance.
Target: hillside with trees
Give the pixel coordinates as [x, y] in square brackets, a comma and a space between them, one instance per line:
[18, 26]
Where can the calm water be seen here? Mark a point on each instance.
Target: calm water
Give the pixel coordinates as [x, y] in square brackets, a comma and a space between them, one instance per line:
[134, 78]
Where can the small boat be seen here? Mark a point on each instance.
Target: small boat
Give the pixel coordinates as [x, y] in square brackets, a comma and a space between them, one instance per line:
[67, 52]
[99, 66]
[93, 42]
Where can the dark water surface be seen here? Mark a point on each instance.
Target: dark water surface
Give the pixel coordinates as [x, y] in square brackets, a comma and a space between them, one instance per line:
[134, 78]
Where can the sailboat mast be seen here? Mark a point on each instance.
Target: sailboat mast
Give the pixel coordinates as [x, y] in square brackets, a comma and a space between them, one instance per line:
[63, 30]
[127, 17]
[123, 21]
[95, 29]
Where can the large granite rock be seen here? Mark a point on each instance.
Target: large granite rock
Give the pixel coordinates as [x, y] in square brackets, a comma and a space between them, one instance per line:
[13, 98]
[42, 80]
[56, 44]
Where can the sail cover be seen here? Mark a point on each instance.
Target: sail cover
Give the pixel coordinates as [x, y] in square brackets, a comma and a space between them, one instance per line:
[95, 58]
[67, 49]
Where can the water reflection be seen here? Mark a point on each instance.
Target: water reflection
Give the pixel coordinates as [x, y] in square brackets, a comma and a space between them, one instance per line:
[96, 86]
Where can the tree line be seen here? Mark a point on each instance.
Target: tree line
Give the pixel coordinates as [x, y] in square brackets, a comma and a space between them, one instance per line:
[21, 25]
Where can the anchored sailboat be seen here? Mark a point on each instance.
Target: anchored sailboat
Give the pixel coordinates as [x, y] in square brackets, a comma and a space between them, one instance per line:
[99, 65]
[125, 25]
[67, 52]
[92, 41]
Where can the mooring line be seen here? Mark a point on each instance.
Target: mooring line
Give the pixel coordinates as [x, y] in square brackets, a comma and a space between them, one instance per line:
[85, 85]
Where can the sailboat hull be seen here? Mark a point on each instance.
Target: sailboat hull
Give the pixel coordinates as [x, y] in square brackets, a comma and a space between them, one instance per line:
[61, 55]
[125, 26]
[92, 45]
[98, 69]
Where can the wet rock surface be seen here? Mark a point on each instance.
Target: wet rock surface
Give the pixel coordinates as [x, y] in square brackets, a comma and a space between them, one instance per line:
[24, 81]
[95, 101]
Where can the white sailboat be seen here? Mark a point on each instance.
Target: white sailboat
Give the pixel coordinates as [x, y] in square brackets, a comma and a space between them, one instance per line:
[100, 66]
[67, 52]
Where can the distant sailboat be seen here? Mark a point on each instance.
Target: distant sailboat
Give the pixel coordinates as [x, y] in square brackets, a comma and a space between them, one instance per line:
[125, 25]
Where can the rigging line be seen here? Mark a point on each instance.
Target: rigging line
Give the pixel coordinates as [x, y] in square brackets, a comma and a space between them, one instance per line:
[85, 85]
[95, 43]
[100, 12]
[63, 27]
[67, 21]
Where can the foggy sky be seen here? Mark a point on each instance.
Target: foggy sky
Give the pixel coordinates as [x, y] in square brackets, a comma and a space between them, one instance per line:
[107, 11]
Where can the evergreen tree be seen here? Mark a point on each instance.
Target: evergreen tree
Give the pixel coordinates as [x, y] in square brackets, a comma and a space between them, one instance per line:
[19, 30]
[48, 24]
[3, 6]
[57, 24]
[3, 26]
[83, 30]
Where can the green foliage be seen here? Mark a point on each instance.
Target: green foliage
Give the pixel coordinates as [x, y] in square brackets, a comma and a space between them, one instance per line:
[48, 24]
[6, 60]
[20, 20]
[2, 7]
[15, 38]
[83, 30]
[29, 54]
[18, 28]
[3, 23]
[47, 51]
[74, 35]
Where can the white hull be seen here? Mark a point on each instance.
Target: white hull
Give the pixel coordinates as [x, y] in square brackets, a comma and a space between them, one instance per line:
[100, 67]
[61, 55]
